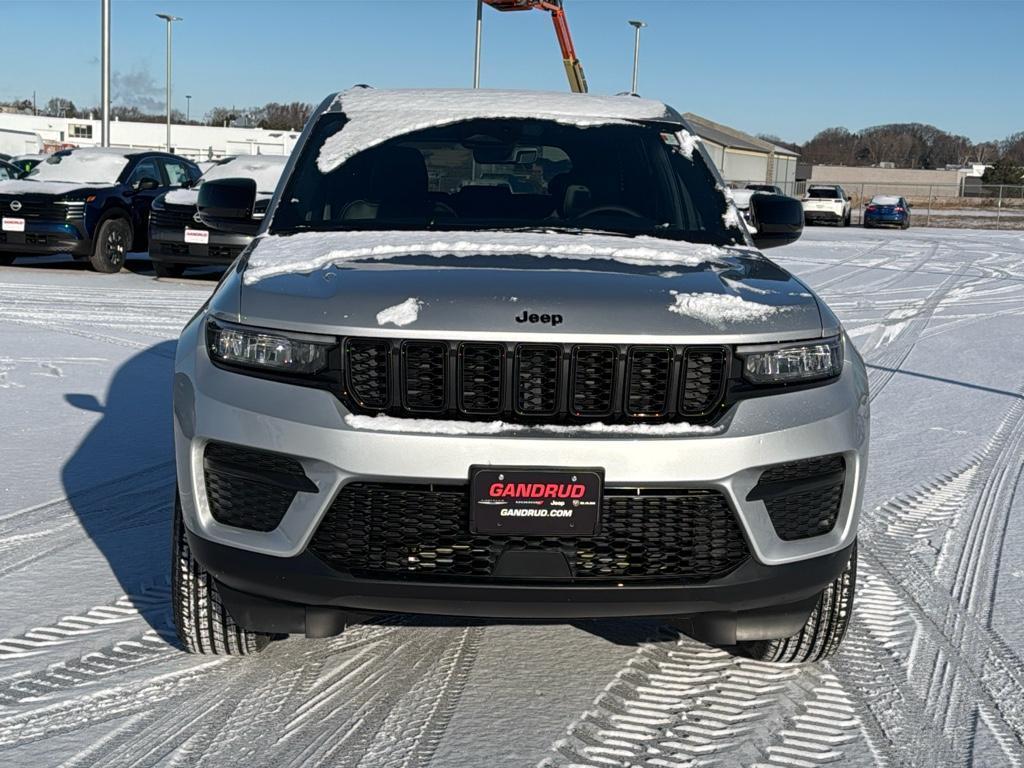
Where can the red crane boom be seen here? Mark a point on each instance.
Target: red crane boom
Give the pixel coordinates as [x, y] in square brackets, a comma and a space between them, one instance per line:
[573, 67]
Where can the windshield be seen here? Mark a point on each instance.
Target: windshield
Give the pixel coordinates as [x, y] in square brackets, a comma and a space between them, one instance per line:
[491, 174]
[81, 167]
[819, 192]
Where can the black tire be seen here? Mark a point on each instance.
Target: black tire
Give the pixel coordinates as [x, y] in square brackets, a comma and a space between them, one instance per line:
[847, 219]
[111, 243]
[202, 622]
[6, 259]
[824, 630]
[166, 269]
[905, 224]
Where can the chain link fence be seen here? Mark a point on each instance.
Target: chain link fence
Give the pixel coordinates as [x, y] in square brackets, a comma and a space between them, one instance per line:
[974, 206]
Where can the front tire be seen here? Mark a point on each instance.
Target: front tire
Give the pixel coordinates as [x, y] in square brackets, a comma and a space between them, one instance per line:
[203, 624]
[111, 245]
[6, 259]
[824, 630]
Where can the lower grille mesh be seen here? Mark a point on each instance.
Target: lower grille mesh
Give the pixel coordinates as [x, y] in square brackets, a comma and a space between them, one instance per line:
[804, 497]
[246, 488]
[386, 530]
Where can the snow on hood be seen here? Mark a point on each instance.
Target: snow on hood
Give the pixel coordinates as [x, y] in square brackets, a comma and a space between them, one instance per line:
[378, 116]
[307, 252]
[444, 427]
[401, 314]
[30, 187]
[265, 170]
[719, 309]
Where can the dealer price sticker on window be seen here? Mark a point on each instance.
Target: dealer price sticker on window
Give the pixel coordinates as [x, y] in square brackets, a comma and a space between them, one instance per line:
[13, 225]
[535, 502]
[198, 236]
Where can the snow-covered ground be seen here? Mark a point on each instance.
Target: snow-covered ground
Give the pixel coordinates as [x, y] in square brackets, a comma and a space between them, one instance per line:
[931, 673]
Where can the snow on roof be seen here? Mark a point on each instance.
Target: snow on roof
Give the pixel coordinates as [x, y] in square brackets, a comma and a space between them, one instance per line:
[309, 251]
[885, 200]
[82, 166]
[265, 170]
[378, 116]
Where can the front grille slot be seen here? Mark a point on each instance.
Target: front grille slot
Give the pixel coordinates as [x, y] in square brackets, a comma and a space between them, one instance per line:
[704, 375]
[481, 376]
[385, 530]
[424, 366]
[368, 372]
[647, 381]
[593, 380]
[537, 379]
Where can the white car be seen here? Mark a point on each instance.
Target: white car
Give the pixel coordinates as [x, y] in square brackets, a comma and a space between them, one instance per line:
[827, 203]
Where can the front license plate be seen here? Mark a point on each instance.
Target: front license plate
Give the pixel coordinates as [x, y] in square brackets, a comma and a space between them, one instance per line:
[198, 236]
[535, 502]
[13, 225]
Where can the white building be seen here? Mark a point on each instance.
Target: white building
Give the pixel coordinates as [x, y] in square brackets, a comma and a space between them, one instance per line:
[743, 159]
[196, 142]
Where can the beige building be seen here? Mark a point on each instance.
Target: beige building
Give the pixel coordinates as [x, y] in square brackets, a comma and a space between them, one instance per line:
[743, 159]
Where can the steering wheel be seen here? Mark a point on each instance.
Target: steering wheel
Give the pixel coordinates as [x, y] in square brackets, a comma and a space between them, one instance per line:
[610, 209]
[444, 208]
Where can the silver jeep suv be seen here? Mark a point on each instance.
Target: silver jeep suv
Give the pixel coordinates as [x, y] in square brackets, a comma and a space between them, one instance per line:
[513, 355]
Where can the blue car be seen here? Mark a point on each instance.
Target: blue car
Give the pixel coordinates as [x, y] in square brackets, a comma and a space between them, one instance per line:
[92, 203]
[887, 210]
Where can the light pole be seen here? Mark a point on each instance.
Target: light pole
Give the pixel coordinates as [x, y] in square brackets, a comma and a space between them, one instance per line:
[105, 73]
[479, 35]
[637, 25]
[188, 107]
[170, 20]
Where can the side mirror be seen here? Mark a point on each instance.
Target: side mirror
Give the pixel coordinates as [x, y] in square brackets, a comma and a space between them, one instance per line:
[146, 183]
[849, 199]
[227, 205]
[779, 220]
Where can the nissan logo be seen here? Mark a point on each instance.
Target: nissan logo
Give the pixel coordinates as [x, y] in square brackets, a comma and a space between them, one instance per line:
[196, 219]
[15, 205]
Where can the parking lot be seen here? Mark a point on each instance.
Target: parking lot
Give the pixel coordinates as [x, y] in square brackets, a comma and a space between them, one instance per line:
[930, 674]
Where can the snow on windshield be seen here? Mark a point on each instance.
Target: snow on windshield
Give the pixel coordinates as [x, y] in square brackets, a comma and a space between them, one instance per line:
[81, 167]
[265, 170]
[377, 116]
[307, 252]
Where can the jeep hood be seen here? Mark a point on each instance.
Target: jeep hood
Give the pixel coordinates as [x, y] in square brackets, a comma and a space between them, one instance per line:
[514, 286]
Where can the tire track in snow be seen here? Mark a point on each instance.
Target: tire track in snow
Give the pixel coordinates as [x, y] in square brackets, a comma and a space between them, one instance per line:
[684, 703]
[69, 629]
[962, 668]
[386, 689]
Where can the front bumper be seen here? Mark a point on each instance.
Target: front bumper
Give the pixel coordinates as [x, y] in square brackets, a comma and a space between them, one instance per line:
[302, 595]
[816, 216]
[168, 245]
[43, 238]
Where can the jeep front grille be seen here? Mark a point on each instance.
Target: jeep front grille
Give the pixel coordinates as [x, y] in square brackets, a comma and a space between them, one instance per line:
[385, 530]
[534, 382]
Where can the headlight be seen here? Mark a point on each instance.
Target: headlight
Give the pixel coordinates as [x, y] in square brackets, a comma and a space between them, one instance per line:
[272, 351]
[793, 363]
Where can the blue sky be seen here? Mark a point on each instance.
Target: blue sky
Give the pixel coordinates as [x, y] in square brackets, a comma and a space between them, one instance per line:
[787, 68]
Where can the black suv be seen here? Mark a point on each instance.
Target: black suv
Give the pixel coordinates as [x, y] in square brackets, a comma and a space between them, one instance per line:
[93, 203]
